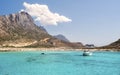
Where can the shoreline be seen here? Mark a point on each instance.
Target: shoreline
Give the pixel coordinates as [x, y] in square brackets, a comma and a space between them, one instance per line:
[52, 49]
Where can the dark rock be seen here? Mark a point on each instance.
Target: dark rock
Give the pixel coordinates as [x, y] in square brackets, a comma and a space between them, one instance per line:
[42, 53]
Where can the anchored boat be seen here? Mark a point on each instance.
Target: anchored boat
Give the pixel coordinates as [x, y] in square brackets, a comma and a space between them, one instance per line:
[87, 53]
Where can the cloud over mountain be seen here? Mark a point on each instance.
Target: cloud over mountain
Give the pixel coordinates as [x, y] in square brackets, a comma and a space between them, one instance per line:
[43, 15]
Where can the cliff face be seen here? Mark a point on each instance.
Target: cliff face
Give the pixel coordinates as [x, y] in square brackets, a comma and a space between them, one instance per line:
[19, 30]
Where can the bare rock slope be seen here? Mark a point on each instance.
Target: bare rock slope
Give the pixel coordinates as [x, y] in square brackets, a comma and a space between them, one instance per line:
[114, 45]
[19, 30]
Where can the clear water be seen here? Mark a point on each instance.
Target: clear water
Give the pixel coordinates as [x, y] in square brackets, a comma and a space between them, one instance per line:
[59, 63]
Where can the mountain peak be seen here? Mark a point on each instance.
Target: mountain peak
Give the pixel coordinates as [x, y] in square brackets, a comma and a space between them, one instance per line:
[23, 12]
[20, 17]
[19, 30]
[61, 37]
[18, 25]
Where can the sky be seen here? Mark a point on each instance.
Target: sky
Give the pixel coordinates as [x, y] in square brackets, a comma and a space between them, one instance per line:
[87, 21]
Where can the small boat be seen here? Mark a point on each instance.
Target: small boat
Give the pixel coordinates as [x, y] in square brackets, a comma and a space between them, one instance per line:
[87, 53]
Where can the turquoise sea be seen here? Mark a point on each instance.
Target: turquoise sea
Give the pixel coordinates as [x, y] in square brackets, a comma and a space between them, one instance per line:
[59, 63]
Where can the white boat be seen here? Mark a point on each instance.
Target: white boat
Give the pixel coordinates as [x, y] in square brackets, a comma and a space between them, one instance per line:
[87, 53]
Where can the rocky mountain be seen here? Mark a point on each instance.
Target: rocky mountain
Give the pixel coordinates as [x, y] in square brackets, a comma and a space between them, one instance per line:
[114, 45]
[19, 30]
[61, 37]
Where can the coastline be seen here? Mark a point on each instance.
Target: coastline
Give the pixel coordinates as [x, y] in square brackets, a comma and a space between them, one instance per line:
[52, 49]
[35, 49]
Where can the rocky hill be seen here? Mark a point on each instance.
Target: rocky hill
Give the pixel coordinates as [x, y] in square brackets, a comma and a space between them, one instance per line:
[19, 30]
[114, 45]
[61, 37]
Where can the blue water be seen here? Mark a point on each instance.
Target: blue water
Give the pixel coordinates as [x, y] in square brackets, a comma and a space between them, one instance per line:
[59, 63]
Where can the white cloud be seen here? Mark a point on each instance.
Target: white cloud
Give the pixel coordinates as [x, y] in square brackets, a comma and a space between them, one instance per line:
[43, 15]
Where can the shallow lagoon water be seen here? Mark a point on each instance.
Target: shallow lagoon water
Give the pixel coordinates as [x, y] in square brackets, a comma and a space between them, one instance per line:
[59, 63]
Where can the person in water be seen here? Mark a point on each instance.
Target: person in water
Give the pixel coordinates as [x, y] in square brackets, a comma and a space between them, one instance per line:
[42, 53]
